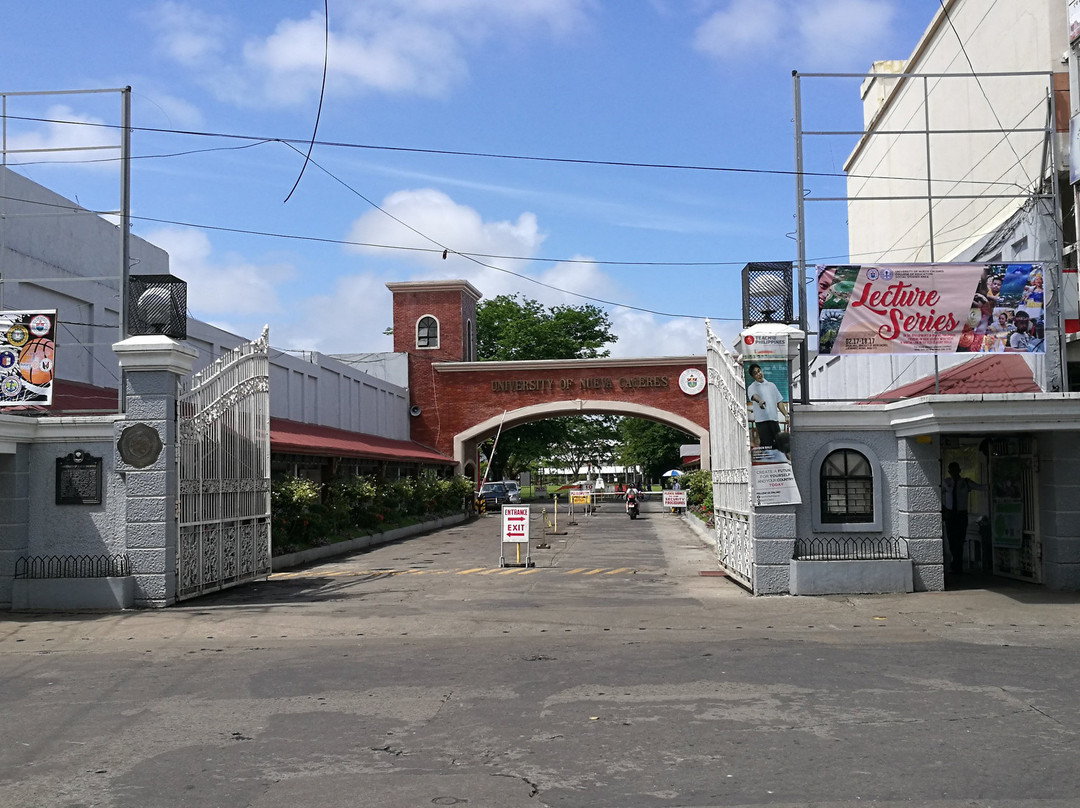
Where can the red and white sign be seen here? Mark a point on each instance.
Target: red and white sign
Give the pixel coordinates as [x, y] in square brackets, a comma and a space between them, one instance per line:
[674, 499]
[515, 524]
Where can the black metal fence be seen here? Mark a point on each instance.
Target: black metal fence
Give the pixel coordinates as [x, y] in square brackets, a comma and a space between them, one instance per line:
[851, 548]
[73, 566]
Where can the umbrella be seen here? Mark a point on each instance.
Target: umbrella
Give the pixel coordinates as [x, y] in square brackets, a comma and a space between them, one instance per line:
[672, 473]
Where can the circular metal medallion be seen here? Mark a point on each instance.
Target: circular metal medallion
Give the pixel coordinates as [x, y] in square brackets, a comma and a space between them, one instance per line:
[139, 445]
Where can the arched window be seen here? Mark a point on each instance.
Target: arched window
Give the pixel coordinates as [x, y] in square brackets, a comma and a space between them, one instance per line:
[847, 488]
[469, 350]
[427, 332]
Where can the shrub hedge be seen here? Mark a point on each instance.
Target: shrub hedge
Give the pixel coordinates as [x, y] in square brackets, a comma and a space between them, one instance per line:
[304, 517]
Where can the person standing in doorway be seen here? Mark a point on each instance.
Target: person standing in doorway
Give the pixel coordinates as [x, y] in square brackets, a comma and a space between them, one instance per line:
[955, 493]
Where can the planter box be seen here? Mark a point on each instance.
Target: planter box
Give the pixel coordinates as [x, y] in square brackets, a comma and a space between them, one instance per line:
[879, 576]
[73, 594]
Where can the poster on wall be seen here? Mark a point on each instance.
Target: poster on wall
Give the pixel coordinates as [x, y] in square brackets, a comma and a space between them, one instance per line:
[1074, 21]
[27, 347]
[772, 481]
[931, 308]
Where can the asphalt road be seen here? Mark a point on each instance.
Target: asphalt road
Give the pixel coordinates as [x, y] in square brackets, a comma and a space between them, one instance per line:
[611, 673]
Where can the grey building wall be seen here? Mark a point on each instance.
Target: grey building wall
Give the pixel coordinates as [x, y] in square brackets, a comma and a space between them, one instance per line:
[907, 504]
[1059, 492]
[74, 529]
[56, 255]
[14, 515]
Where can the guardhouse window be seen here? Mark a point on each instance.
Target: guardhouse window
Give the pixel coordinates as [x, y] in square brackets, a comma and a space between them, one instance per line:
[427, 332]
[847, 488]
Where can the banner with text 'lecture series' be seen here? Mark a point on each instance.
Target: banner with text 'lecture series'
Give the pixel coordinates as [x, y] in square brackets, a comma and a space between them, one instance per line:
[930, 308]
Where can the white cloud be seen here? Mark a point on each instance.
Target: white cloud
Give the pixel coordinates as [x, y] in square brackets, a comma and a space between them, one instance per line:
[188, 35]
[743, 27]
[64, 131]
[644, 334]
[819, 33]
[418, 47]
[241, 296]
[220, 286]
[427, 219]
[855, 28]
[156, 106]
[351, 318]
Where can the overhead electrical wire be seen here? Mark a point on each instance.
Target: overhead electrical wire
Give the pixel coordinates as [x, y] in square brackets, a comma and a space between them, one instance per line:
[445, 249]
[322, 94]
[463, 153]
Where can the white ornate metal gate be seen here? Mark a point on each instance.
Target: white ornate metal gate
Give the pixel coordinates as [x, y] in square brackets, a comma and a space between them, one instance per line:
[223, 429]
[730, 447]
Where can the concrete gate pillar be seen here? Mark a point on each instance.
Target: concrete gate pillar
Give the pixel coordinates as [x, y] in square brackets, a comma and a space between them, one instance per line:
[145, 449]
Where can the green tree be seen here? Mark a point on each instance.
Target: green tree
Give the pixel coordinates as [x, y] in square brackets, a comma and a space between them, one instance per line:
[651, 445]
[510, 328]
[513, 328]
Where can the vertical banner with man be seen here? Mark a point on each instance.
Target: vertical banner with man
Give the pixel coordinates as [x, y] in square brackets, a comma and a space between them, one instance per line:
[766, 365]
[27, 347]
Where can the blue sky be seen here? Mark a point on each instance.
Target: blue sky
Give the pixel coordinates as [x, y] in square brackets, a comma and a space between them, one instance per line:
[700, 84]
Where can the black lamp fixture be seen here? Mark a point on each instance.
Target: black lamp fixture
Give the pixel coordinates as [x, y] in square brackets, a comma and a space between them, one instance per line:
[767, 293]
[157, 304]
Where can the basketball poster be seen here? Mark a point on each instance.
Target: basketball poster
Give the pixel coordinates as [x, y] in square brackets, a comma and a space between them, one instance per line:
[27, 350]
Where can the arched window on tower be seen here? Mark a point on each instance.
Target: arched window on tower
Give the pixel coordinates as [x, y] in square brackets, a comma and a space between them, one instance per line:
[427, 332]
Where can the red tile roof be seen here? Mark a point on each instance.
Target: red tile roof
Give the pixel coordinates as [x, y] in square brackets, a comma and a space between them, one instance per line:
[293, 437]
[997, 373]
[73, 398]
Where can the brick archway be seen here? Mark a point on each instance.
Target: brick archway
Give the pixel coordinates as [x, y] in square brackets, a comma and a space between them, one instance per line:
[465, 442]
[456, 403]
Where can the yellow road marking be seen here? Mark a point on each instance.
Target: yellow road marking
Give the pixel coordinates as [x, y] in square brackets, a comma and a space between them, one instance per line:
[282, 576]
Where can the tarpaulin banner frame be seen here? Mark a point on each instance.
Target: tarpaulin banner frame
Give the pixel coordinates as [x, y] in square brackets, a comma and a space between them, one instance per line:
[768, 401]
[931, 308]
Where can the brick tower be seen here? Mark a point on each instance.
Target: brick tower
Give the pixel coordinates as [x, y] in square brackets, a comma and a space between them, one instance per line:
[434, 321]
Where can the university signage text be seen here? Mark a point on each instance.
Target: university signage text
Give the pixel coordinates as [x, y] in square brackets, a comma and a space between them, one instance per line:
[565, 385]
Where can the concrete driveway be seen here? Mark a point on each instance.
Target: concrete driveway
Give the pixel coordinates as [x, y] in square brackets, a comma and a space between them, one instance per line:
[611, 673]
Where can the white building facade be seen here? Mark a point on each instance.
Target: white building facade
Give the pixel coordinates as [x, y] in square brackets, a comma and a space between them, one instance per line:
[952, 167]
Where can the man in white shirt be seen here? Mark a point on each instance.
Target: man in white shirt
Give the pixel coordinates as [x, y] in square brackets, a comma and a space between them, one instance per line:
[766, 406]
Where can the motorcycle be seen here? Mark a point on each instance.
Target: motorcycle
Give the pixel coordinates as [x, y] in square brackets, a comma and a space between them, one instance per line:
[632, 504]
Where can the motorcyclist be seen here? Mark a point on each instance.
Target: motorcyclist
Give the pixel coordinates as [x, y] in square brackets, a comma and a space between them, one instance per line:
[632, 495]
